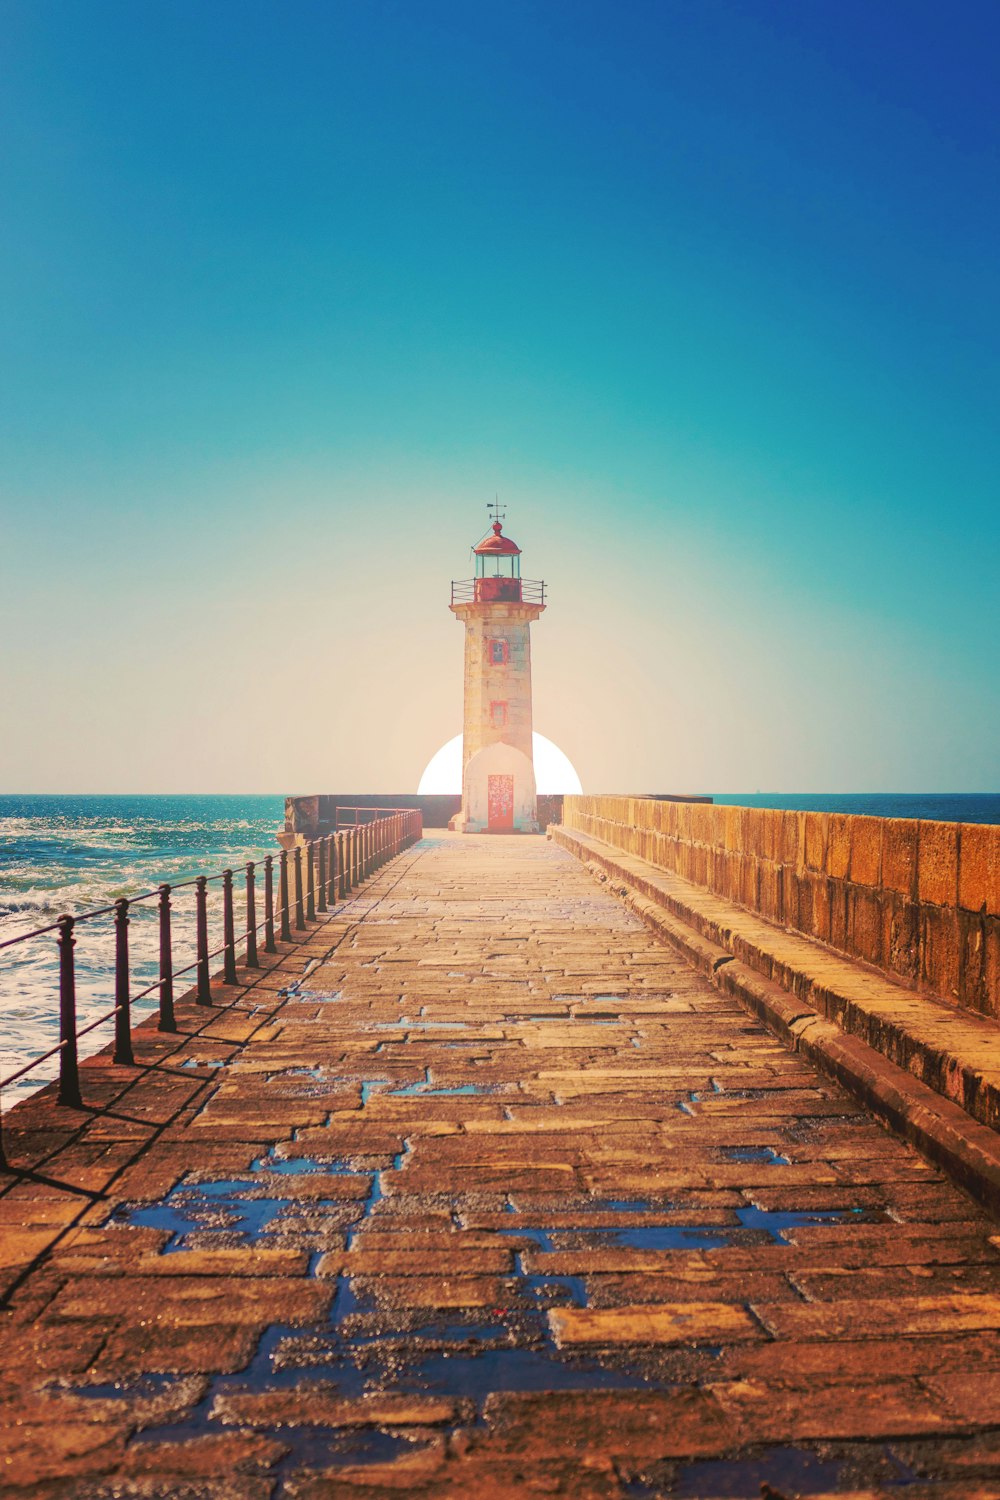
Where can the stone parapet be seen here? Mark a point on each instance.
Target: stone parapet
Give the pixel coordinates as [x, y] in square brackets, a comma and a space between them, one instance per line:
[918, 900]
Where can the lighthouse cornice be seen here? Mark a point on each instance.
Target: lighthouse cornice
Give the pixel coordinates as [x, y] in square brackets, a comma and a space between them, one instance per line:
[496, 609]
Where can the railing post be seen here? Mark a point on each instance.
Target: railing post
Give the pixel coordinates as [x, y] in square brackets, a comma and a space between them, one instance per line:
[331, 870]
[251, 960]
[348, 862]
[286, 925]
[341, 843]
[321, 875]
[123, 1018]
[228, 930]
[204, 992]
[300, 915]
[270, 946]
[167, 1021]
[69, 1071]
[310, 882]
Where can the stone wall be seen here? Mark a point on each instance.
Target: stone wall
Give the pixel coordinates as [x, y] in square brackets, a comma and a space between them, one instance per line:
[918, 900]
[313, 816]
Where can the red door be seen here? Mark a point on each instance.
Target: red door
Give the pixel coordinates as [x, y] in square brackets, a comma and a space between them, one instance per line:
[501, 804]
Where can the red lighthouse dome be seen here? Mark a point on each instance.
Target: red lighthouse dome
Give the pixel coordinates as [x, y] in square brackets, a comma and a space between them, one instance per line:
[498, 567]
[496, 542]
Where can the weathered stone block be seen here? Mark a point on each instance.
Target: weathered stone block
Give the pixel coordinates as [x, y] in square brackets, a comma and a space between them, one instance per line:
[840, 893]
[769, 890]
[790, 839]
[991, 964]
[866, 851]
[838, 858]
[767, 833]
[816, 828]
[972, 963]
[864, 925]
[899, 855]
[979, 867]
[939, 951]
[749, 868]
[701, 821]
[821, 907]
[937, 863]
[901, 935]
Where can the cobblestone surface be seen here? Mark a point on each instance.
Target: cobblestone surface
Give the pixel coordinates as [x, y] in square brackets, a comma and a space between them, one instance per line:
[482, 1191]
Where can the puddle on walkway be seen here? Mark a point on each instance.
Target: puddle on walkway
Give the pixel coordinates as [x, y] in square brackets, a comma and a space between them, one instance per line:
[661, 1233]
[244, 1207]
[235, 1206]
[405, 1024]
[766, 1155]
[428, 1089]
[781, 1470]
[302, 1165]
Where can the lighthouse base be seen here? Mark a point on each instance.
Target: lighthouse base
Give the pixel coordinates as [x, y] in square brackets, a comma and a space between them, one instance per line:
[498, 792]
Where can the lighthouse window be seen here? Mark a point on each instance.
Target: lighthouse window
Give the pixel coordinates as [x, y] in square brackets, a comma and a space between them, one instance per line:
[499, 653]
[498, 715]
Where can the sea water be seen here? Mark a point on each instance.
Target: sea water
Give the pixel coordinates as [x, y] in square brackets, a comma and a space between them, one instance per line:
[72, 854]
[75, 854]
[943, 807]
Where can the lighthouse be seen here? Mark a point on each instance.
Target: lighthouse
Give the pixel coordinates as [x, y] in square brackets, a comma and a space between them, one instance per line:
[497, 608]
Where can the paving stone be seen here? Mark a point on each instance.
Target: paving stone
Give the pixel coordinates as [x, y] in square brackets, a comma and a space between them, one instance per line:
[655, 1323]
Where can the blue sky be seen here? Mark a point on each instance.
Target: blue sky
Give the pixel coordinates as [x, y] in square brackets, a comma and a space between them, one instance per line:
[706, 291]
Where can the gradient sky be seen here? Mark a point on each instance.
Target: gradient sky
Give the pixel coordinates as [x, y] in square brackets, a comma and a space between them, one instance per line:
[706, 291]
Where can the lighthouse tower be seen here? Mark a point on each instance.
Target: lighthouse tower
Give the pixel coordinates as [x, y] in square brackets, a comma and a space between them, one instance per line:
[497, 608]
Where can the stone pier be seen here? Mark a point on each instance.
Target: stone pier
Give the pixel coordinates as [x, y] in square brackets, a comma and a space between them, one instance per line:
[482, 1189]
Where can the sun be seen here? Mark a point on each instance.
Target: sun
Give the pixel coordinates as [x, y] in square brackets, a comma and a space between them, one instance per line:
[554, 771]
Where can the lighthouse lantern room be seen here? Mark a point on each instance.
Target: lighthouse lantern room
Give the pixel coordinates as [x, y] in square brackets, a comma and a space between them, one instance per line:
[497, 608]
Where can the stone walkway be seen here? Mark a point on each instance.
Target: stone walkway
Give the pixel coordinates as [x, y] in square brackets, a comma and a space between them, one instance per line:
[500, 1199]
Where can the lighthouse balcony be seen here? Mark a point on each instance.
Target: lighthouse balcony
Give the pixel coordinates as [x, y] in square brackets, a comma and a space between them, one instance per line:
[495, 589]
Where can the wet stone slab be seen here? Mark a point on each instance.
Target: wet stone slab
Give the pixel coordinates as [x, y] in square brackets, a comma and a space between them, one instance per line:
[484, 1191]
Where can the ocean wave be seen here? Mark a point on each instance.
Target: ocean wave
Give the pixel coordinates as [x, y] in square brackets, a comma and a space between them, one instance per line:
[15, 908]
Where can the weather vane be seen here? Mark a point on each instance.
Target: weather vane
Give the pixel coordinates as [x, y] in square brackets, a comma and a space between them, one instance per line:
[493, 506]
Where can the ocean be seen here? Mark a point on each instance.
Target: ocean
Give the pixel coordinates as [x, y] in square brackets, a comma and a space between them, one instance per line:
[71, 854]
[943, 807]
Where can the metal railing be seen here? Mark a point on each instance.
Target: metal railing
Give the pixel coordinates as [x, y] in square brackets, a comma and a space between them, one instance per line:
[323, 871]
[511, 591]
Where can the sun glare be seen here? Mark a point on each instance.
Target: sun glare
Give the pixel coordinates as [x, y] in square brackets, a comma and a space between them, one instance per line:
[553, 770]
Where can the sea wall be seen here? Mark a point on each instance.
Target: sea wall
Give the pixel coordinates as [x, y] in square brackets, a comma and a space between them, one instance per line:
[313, 816]
[918, 900]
